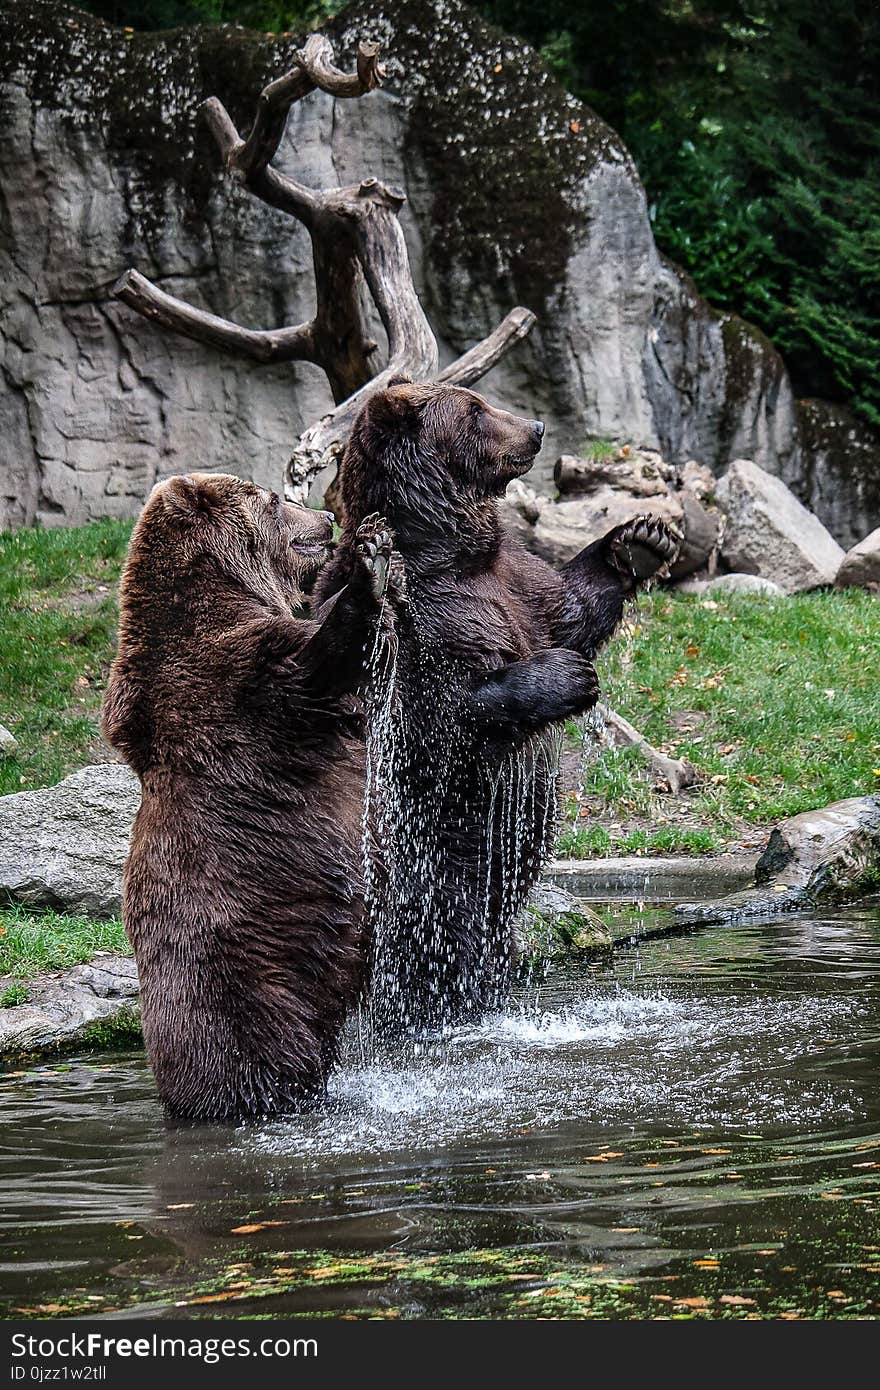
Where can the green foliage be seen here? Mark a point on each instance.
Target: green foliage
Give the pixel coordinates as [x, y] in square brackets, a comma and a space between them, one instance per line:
[599, 448]
[596, 842]
[756, 129]
[13, 995]
[35, 941]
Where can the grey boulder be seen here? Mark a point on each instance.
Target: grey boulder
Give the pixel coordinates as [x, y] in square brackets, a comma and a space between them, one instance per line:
[67, 1007]
[832, 853]
[8, 743]
[861, 565]
[819, 858]
[65, 847]
[564, 528]
[554, 925]
[770, 533]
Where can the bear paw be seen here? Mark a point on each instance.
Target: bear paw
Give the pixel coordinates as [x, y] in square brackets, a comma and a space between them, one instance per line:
[576, 677]
[374, 545]
[640, 548]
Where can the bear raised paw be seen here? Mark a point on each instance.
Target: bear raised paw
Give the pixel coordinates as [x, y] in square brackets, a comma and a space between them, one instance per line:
[374, 545]
[642, 548]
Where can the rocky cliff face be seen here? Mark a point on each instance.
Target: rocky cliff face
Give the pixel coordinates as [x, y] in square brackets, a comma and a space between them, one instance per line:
[517, 194]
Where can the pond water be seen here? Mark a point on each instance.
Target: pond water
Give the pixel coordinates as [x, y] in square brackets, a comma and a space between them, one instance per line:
[692, 1129]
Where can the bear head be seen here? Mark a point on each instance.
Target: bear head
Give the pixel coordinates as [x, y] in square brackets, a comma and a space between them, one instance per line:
[433, 453]
[264, 545]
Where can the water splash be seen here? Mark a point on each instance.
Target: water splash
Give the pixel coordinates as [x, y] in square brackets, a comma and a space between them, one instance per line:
[455, 830]
[598, 1057]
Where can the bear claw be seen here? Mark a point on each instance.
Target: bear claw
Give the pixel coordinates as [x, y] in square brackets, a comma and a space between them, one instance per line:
[374, 544]
[641, 547]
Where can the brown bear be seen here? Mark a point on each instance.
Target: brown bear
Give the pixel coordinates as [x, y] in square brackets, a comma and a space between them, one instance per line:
[495, 650]
[242, 890]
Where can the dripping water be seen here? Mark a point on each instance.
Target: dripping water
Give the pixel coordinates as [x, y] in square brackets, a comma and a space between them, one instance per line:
[454, 833]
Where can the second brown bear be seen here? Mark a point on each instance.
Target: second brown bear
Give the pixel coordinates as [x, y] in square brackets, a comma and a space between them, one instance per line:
[495, 650]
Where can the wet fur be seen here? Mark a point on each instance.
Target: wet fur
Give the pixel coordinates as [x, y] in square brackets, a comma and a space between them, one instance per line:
[242, 890]
[495, 650]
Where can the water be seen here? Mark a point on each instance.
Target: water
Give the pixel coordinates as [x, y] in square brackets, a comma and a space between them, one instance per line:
[693, 1130]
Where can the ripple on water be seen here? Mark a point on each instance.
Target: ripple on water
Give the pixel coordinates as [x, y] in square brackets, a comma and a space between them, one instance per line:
[618, 1056]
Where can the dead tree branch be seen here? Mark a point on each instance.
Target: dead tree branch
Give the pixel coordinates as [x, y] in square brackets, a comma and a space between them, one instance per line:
[357, 246]
[263, 345]
[677, 772]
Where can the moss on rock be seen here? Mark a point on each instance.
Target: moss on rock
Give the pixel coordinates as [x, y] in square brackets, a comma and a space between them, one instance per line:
[554, 926]
[505, 146]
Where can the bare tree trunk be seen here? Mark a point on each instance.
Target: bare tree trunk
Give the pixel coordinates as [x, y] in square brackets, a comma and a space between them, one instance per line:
[357, 243]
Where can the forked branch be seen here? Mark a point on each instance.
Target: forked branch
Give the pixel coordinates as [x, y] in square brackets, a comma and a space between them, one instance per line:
[358, 247]
[314, 69]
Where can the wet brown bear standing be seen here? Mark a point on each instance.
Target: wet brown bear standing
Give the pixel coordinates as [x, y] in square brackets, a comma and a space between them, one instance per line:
[242, 892]
[495, 650]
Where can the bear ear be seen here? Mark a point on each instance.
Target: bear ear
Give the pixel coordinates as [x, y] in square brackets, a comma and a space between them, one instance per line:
[189, 497]
[397, 407]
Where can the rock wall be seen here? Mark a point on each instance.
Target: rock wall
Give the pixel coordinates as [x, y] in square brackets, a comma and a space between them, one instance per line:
[517, 194]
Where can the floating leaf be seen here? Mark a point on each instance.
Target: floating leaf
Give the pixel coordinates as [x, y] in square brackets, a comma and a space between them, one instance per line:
[256, 1226]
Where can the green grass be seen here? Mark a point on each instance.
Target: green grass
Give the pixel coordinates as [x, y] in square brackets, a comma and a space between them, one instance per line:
[595, 842]
[599, 448]
[31, 942]
[13, 995]
[58, 614]
[785, 695]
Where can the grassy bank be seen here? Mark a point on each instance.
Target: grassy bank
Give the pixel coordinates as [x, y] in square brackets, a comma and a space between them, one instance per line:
[57, 632]
[776, 702]
[34, 941]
